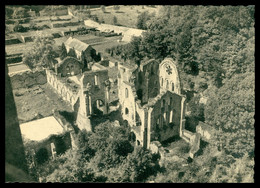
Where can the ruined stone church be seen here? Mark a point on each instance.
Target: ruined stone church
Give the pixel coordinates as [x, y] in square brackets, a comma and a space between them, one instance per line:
[151, 100]
[149, 96]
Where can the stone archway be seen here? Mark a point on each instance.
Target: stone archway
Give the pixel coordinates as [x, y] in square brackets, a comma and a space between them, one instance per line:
[125, 123]
[98, 107]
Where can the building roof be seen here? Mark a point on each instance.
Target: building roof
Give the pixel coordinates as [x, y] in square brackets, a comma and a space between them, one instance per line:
[40, 129]
[76, 44]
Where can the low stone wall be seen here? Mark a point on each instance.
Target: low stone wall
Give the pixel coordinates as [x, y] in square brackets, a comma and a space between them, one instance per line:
[64, 89]
[12, 41]
[28, 79]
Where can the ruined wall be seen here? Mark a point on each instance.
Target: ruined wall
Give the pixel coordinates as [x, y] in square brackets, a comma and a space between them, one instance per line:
[28, 79]
[70, 66]
[97, 90]
[165, 117]
[148, 80]
[62, 143]
[169, 76]
[68, 91]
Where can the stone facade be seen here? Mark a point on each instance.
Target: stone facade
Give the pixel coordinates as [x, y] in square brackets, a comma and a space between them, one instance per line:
[93, 97]
[69, 67]
[87, 92]
[153, 110]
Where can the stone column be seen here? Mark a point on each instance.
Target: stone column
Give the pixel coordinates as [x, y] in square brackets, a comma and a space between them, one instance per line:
[107, 97]
[182, 126]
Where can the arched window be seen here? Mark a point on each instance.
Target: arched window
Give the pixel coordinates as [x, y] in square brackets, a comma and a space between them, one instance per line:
[172, 86]
[167, 84]
[140, 78]
[126, 93]
[126, 111]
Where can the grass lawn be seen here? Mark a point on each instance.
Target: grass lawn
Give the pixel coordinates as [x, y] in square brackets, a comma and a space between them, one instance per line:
[18, 48]
[30, 103]
[126, 15]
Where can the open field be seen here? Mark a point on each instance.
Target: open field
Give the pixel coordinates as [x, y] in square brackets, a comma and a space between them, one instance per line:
[126, 16]
[18, 48]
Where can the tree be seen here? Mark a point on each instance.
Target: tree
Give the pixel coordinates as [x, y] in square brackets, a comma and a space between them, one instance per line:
[19, 28]
[139, 165]
[142, 19]
[72, 53]
[63, 53]
[102, 7]
[231, 109]
[111, 145]
[42, 47]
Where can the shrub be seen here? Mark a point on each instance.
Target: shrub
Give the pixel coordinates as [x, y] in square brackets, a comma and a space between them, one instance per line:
[20, 28]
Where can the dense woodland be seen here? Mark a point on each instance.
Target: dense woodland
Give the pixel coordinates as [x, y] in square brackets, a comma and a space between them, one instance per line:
[214, 47]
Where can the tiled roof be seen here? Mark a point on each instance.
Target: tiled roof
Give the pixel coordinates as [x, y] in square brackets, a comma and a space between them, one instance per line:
[76, 44]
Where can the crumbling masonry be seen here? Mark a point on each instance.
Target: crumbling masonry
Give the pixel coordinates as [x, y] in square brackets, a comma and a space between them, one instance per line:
[151, 100]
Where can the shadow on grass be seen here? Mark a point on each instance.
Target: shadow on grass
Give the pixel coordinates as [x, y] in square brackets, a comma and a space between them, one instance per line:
[170, 140]
[95, 120]
[203, 145]
[70, 117]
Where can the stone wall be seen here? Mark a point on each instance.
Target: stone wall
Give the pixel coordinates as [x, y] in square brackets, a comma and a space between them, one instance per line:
[206, 131]
[165, 124]
[68, 92]
[12, 41]
[28, 79]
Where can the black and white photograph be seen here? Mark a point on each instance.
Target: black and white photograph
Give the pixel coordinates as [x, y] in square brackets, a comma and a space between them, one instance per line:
[130, 93]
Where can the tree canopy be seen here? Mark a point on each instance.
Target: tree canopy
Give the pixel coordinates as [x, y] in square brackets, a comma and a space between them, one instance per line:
[42, 53]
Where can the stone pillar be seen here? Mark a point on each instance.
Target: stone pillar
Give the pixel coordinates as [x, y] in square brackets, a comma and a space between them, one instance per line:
[182, 126]
[149, 127]
[145, 129]
[73, 145]
[89, 105]
[53, 151]
[107, 97]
